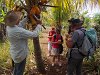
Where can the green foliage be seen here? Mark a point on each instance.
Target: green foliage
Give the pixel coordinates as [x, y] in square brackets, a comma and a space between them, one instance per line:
[97, 18]
[47, 18]
[4, 53]
[93, 63]
[87, 22]
[56, 14]
[5, 6]
[2, 14]
[5, 58]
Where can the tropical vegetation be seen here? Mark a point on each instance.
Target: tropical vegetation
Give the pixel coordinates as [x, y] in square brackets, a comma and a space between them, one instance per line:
[57, 11]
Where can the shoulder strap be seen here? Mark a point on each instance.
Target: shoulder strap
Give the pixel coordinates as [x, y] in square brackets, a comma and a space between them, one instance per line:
[81, 43]
[82, 39]
[54, 37]
[61, 38]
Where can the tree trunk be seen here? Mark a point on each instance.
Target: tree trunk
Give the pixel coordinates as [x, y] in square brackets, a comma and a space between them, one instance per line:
[37, 49]
[38, 57]
[2, 32]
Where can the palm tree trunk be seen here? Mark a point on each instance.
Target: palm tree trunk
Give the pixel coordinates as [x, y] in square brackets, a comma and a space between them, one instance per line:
[37, 49]
[38, 57]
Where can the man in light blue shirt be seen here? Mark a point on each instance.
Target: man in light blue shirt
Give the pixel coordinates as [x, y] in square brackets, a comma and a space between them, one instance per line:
[18, 37]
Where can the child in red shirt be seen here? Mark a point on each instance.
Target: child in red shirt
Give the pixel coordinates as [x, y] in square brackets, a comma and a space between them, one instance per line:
[56, 40]
[51, 33]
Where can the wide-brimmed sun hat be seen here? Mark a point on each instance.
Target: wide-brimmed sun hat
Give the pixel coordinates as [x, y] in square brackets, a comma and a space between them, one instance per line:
[12, 18]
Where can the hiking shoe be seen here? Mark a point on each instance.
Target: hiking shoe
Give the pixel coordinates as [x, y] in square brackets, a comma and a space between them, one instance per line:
[60, 64]
[48, 55]
[53, 64]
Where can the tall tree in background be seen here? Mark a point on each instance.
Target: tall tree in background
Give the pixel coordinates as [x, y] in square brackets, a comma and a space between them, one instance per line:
[70, 8]
[65, 11]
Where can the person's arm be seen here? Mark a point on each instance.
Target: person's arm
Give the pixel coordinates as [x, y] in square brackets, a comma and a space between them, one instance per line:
[28, 34]
[23, 22]
[49, 36]
[57, 42]
[53, 39]
[54, 42]
[69, 42]
[59, 39]
[72, 40]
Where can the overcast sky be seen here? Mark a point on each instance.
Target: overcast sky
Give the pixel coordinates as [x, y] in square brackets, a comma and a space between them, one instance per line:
[92, 10]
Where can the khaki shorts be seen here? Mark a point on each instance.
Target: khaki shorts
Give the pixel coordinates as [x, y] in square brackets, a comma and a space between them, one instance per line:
[55, 51]
[49, 46]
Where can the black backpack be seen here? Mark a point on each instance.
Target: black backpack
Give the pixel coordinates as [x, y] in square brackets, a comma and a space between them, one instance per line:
[60, 45]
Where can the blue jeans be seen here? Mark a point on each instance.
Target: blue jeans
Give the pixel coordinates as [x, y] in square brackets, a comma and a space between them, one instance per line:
[19, 68]
[74, 66]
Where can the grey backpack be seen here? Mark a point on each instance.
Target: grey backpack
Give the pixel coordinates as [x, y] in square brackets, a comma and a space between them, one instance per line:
[87, 47]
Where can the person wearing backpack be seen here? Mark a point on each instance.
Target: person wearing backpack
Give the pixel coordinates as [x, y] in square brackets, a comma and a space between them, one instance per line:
[57, 47]
[75, 59]
[51, 33]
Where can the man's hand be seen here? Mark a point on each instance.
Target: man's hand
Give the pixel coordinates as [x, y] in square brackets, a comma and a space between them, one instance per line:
[69, 42]
[39, 22]
[67, 36]
[59, 41]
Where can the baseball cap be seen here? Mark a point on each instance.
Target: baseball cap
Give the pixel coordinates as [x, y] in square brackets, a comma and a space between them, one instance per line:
[76, 21]
[71, 20]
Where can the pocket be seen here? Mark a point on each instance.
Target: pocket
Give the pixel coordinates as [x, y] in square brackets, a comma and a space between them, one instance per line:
[76, 54]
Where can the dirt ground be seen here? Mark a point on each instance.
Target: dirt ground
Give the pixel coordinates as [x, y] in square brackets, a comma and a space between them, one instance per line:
[52, 70]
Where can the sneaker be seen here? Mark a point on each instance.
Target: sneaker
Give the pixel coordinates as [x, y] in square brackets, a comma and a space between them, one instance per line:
[48, 55]
[60, 64]
[53, 64]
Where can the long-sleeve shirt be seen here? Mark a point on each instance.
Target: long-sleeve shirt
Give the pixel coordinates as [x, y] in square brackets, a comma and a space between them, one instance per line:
[18, 38]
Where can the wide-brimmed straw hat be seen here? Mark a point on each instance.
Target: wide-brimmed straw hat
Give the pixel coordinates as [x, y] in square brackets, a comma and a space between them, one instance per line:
[12, 18]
